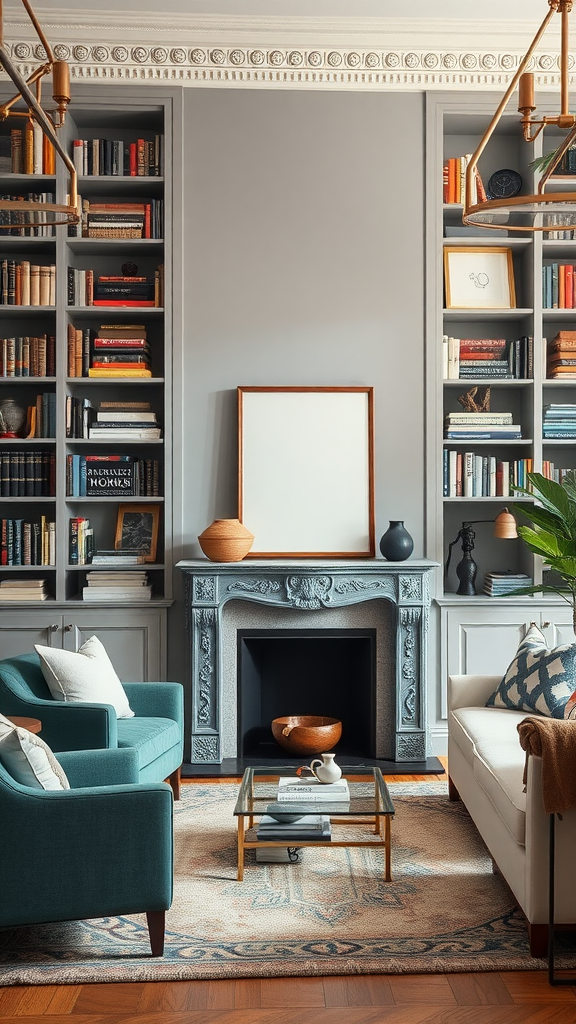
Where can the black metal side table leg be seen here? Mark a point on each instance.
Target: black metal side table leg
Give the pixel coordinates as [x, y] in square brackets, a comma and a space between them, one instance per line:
[552, 978]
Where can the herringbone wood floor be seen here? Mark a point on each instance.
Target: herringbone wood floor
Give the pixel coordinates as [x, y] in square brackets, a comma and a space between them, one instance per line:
[493, 998]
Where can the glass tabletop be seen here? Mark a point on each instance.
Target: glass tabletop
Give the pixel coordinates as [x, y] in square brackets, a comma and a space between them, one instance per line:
[369, 794]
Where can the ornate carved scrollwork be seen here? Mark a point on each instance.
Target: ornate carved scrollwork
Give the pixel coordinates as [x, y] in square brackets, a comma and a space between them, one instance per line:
[204, 588]
[205, 748]
[255, 587]
[309, 591]
[410, 588]
[409, 619]
[411, 747]
[205, 622]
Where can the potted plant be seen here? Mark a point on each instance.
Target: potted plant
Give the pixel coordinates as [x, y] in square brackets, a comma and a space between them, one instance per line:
[552, 533]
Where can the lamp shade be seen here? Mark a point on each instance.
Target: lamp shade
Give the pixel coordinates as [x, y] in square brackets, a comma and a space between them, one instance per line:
[505, 525]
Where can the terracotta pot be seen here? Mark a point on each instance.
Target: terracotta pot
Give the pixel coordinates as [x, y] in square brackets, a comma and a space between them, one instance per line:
[226, 540]
[306, 734]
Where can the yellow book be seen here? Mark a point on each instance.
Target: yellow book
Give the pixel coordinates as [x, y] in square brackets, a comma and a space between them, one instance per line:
[99, 372]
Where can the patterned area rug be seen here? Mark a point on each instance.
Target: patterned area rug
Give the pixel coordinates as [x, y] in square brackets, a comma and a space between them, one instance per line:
[445, 910]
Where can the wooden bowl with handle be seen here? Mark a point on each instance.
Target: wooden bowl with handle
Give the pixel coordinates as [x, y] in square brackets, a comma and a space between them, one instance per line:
[306, 734]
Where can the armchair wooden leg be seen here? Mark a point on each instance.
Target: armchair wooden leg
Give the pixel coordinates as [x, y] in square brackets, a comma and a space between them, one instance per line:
[156, 926]
[453, 793]
[174, 780]
[538, 938]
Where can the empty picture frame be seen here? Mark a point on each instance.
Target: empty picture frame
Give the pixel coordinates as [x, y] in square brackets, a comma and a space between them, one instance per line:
[479, 277]
[306, 475]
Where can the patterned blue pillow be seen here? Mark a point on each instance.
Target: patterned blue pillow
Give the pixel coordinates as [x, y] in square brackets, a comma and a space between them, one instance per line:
[538, 680]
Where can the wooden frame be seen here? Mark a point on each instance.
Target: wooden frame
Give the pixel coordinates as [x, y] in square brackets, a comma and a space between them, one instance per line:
[479, 277]
[137, 529]
[305, 471]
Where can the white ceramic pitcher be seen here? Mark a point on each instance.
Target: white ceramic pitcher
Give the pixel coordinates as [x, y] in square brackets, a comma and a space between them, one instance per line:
[328, 770]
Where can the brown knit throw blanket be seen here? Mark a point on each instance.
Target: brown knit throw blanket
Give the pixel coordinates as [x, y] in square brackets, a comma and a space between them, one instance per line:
[554, 740]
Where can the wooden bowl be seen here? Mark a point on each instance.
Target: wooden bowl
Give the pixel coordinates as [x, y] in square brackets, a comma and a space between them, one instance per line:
[306, 734]
[226, 540]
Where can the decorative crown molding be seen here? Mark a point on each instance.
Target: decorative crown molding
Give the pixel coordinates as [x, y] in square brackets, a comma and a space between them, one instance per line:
[195, 50]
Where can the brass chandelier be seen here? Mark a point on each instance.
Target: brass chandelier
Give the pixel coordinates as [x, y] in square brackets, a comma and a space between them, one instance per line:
[22, 213]
[539, 211]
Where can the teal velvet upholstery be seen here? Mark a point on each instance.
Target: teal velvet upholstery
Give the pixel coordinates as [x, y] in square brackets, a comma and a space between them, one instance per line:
[57, 858]
[156, 732]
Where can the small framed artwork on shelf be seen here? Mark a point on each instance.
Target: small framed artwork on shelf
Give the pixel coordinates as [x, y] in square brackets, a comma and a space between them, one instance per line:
[479, 277]
[137, 529]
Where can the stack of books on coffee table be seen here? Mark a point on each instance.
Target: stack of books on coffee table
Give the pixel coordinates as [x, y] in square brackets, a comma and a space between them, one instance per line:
[306, 828]
[309, 791]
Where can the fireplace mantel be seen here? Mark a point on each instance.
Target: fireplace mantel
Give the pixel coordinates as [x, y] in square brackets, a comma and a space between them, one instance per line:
[288, 583]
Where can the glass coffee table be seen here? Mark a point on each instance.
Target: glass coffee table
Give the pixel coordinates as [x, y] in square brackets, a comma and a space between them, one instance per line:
[370, 806]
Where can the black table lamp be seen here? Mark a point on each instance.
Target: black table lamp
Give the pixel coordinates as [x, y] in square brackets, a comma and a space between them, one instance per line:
[504, 528]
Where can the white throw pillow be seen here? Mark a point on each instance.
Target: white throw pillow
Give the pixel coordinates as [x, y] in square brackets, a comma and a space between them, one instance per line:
[87, 676]
[28, 759]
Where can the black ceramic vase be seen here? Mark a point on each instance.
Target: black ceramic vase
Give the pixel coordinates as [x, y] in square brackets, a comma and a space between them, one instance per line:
[396, 545]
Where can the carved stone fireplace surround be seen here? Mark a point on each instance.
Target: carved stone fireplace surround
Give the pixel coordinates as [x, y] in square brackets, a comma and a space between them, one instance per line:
[306, 586]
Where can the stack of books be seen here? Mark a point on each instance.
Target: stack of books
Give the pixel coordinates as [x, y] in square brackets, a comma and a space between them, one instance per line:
[127, 421]
[117, 586]
[120, 350]
[110, 290]
[481, 426]
[306, 791]
[23, 590]
[561, 357]
[499, 584]
[118, 557]
[307, 828]
[559, 421]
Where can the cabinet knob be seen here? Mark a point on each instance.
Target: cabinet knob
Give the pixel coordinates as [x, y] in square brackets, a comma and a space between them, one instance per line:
[545, 625]
[54, 627]
[68, 627]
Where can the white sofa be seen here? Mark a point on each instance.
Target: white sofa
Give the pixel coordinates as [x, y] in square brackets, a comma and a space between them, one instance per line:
[485, 769]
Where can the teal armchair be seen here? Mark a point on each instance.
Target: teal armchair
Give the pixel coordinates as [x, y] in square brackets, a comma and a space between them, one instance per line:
[156, 732]
[57, 860]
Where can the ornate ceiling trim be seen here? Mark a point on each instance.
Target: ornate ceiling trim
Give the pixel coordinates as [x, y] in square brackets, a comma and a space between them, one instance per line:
[274, 52]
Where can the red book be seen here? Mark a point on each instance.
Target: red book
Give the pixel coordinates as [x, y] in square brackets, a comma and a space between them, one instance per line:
[569, 287]
[147, 216]
[133, 159]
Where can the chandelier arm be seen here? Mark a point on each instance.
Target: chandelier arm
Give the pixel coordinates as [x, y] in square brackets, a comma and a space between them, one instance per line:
[38, 30]
[470, 170]
[5, 107]
[562, 149]
[42, 119]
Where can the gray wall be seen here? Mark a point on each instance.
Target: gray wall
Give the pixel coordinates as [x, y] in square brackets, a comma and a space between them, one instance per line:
[303, 264]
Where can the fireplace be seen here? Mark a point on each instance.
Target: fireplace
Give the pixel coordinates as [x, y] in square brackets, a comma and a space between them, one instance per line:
[226, 602]
[328, 672]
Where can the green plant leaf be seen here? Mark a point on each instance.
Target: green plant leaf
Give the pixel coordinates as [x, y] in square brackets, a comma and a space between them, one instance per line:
[553, 497]
[542, 517]
[541, 163]
[540, 542]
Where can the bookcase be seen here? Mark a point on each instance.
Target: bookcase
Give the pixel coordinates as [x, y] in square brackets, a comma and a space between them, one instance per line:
[480, 633]
[125, 118]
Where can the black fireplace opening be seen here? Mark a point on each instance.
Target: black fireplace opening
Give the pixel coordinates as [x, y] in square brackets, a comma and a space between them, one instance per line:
[330, 672]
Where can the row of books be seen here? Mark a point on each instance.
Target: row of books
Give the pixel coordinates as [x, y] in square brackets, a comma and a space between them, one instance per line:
[27, 474]
[24, 590]
[24, 224]
[107, 476]
[127, 421]
[561, 356]
[558, 286]
[27, 150]
[128, 585]
[28, 356]
[121, 219]
[27, 284]
[560, 227]
[481, 426]
[476, 358]
[141, 158]
[25, 542]
[553, 472]
[41, 416]
[559, 421]
[85, 288]
[80, 541]
[115, 347]
[454, 181]
[499, 584]
[469, 475]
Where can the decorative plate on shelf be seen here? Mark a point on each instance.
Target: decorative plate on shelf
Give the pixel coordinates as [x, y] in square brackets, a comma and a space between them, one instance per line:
[504, 184]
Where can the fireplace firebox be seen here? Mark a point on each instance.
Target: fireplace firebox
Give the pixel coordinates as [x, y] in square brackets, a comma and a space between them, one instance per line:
[329, 672]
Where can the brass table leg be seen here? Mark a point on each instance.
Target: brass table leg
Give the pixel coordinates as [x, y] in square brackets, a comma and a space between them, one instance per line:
[388, 851]
[240, 875]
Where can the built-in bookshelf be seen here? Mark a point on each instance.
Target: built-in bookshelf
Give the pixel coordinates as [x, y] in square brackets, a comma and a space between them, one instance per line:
[472, 477]
[93, 362]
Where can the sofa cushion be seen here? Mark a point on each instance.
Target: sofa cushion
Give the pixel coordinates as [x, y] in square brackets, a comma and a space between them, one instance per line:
[499, 771]
[537, 680]
[470, 726]
[28, 759]
[151, 737]
[85, 676]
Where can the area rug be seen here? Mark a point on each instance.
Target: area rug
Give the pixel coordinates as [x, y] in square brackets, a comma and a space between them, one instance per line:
[333, 913]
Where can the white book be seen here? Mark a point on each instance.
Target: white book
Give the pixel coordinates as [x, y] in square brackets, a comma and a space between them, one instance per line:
[468, 474]
[452, 462]
[288, 782]
[313, 798]
[492, 476]
[444, 357]
[308, 823]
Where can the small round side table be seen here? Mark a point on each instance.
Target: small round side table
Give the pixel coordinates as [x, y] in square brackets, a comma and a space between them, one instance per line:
[32, 724]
